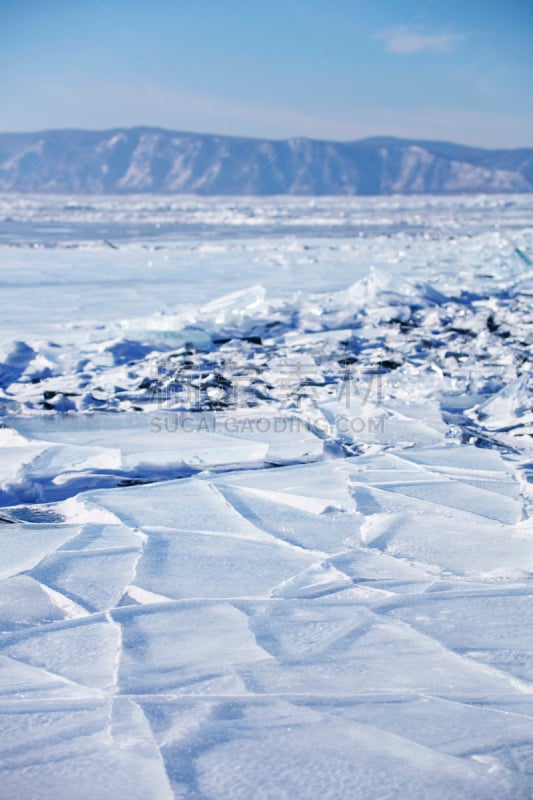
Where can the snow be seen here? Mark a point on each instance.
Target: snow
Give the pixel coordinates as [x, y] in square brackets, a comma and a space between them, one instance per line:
[265, 504]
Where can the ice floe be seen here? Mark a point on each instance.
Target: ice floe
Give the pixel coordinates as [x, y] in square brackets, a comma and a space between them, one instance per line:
[266, 541]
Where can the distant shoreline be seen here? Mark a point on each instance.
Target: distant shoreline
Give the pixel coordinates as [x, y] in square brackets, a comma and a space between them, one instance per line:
[152, 160]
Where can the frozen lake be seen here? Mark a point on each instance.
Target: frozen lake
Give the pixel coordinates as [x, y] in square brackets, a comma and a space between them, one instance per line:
[265, 498]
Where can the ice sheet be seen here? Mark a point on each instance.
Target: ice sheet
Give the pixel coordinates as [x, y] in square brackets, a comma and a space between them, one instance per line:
[265, 500]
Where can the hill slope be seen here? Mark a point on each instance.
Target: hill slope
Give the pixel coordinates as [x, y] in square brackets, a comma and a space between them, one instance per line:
[155, 160]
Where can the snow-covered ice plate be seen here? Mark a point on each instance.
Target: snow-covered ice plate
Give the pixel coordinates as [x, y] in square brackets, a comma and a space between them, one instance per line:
[265, 498]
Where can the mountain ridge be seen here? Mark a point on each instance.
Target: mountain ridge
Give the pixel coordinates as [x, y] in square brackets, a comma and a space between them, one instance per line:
[149, 159]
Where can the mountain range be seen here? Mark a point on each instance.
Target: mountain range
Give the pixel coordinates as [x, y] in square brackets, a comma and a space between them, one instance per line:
[142, 159]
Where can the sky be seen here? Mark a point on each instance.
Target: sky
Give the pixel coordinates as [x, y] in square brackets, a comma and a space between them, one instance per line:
[460, 70]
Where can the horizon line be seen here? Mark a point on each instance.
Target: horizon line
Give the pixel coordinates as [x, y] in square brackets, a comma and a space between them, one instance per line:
[161, 129]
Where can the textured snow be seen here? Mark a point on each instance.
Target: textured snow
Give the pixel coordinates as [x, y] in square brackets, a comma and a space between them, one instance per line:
[260, 541]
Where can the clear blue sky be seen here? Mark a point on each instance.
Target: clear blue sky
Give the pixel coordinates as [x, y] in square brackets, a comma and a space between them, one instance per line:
[460, 70]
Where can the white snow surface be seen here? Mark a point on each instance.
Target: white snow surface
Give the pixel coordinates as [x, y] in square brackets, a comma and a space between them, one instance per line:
[265, 498]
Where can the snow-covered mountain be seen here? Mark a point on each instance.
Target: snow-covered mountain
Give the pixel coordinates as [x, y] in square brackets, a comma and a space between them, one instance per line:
[155, 160]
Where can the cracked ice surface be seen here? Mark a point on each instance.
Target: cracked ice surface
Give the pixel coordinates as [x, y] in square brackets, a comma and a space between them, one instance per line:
[274, 543]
